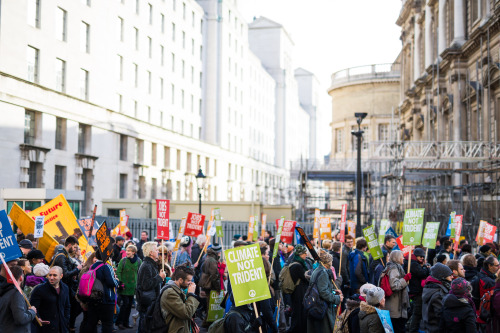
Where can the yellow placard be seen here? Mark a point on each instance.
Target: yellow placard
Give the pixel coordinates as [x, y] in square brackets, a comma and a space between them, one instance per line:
[325, 228]
[46, 244]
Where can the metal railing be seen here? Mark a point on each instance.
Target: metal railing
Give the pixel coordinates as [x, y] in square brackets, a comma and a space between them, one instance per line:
[368, 72]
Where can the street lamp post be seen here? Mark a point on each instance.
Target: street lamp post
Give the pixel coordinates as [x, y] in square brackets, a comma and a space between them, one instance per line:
[200, 179]
[359, 135]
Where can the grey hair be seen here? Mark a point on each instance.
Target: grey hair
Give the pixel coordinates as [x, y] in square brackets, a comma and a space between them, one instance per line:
[148, 247]
[395, 255]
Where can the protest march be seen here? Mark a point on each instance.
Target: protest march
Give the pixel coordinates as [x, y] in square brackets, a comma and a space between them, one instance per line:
[187, 280]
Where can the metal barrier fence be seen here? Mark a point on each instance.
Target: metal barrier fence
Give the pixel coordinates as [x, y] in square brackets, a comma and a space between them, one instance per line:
[230, 228]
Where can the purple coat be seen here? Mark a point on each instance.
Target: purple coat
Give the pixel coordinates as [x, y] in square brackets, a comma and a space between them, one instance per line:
[495, 303]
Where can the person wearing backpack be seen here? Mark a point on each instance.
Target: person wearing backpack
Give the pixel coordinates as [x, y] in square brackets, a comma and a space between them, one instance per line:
[239, 319]
[369, 321]
[102, 310]
[494, 325]
[297, 269]
[436, 287]
[399, 301]
[322, 278]
[178, 306]
[358, 266]
[483, 283]
[458, 312]
[127, 274]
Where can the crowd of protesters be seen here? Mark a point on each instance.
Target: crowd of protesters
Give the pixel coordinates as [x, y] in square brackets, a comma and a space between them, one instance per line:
[443, 291]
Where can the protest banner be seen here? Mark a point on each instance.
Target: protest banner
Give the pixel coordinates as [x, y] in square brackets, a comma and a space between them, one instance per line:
[104, 242]
[385, 318]
[39, 226]
[317, 215]
[162, 218]
[264, 222]
[194, 224]
[46, 244]
[60, 221]
[458, 231]
[384, 226]
[485, 233]
[247, 275]
[403, 248]
[393, 233]
[430, 234]
[255, 229]
[413, 226]
[122, 228]
[343, 216]
[452, 224]
[325, 228]
[287, 231]
[9, 249]
[211, 227]
[218, 223]
[215, 311]
[182, 226]
[351, 228]
[373, 245]
[251, 228]
[86, 225]
[281, 221]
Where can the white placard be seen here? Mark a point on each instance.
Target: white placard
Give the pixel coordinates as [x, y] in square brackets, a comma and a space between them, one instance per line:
[39, 223]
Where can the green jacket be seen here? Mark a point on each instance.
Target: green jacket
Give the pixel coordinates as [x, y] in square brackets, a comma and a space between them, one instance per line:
[178, 309]
[127, 274]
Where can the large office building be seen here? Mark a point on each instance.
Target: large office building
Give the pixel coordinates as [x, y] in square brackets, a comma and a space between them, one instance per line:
[128, 99]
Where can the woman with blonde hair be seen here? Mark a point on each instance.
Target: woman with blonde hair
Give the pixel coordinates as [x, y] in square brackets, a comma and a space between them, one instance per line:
[127, 274]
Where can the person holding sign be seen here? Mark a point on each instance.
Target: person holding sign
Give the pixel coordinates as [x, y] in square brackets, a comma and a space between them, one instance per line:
[419, 272]
[398, 302]
[15, 316]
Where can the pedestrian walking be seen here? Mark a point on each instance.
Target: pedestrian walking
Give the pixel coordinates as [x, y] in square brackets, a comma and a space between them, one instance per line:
[127, 275]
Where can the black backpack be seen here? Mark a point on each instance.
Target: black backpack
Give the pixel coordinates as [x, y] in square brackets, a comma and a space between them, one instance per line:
[314, 306]
[154, 321]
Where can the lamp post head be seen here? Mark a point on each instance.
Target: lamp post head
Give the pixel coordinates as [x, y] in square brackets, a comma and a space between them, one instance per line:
[360, 116]
[200, 177]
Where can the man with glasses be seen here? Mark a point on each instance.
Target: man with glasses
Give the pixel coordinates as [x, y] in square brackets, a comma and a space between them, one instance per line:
[485, 279]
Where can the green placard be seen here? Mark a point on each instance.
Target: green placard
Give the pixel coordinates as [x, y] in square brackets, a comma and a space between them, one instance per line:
[247, 275]
[256, 230]
[452, 223]
[373, 245]
[413, 226]
[218, 223]
[384, 226]
[430, 235]
[278, 237]
[215, 311]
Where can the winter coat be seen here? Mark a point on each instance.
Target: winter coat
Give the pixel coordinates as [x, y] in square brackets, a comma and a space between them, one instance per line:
[181, 257]
[336, 263]
[14, 314]
[358, 266]
[31, 282]
[116, 255]
[52, 306]
[375, 278]
[177, 308]
[127, 274]
[240, 319]
[323, 279]
[70, 271]
[494, 326]
[299, 319]
[195, 252]
[106, 275]
[483, 282]
[480, 260]
[418, 274]
[399, 301]
[457, 316]
[266, 308]
[210, 277]
[432, 297]
[139, 249]
[148, 284]
[470, 273]
[349, 319]
[369, 321]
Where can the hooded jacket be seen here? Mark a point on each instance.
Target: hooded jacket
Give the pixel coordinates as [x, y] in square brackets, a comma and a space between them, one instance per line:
[483, 282]
[399, 301]
[369, 321]
[349, 319]
[433, 293]
[358, 266]
[470, 273]
[14, 314]
[457, 316]
[210, 277]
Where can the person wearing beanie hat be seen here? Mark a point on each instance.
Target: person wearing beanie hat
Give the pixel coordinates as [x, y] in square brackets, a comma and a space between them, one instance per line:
[323, 277]
[128, 235]
[236, 238]
[419, 272]
[484, 251]
[298, 268]
[459, 312]
[26, 246]
[300, 249]
[35, 257]
[436, 287]
[211, 278]
[117, 249]
[369, 320]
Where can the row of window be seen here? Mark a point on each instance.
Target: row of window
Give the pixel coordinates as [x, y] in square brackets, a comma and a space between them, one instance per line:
[174, 8]
[383, 135]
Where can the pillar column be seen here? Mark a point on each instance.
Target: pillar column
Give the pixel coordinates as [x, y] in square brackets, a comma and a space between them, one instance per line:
[441, 27]
[428, 36]
[416, 47]
[459, 23]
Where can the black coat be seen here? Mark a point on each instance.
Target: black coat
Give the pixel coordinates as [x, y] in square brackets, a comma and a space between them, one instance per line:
[457, 316]
[106, 275]
[116, 256]
[139, 249]
[195, 253]
[52, 307]
[70, 270]
[240, 321]
[299, 318]
[148, 284]
[432, 297]
[470, 272]
[344, 269]
[418, 273]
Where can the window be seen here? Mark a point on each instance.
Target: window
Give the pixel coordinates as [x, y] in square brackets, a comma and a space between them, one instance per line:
[162, 55]
[61, 24]
[338, 140]
[182, 98]
[84, 137]
[60, 177]
[173, 95]
[60, 75]
[474, 10]
[178, 166]
[85, 37]
[150, 47]
[183, 67]
[383, 132]
[192, 74]
[142, 187]
[121, 29]
[123, 185]
[149, 82]
[86, 2]
[154, 185]
[192, 103]
[136, 75]
[120, 67]
[60, 133]
[201, 52]
[192, 46]
[178, 190]
[84, 84]
[189, 162]
[32, 59]
[135, 108]
[30, 127]
[166, 161]
[139, 151]
[173, 62]
[154, 153]
[192, 19]
[162, 23]
[34, 13]
[120, 102]
[137, 7]
[183, 40]
[161, 88]
[136, 31]
[123, 147]
[184, 10]
[173, 31]
[149, 114]
[174, 5]
[35, 175]
[366, 137]
[150, 13]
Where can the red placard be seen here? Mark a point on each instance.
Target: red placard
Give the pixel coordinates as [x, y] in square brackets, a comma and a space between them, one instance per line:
[162, 219]
[287, 231]
[343, 217]
[194, 224]
[404, 248]
[458, 230]
[486, 233]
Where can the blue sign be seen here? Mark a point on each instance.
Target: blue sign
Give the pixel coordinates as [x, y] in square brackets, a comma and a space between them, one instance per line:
[448, 230]
[9, 249]
[385, 318]
[392, 232]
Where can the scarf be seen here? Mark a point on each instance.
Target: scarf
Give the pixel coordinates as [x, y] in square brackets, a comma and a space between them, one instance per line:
[133, 259]
[467, 297]
[300, 260]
